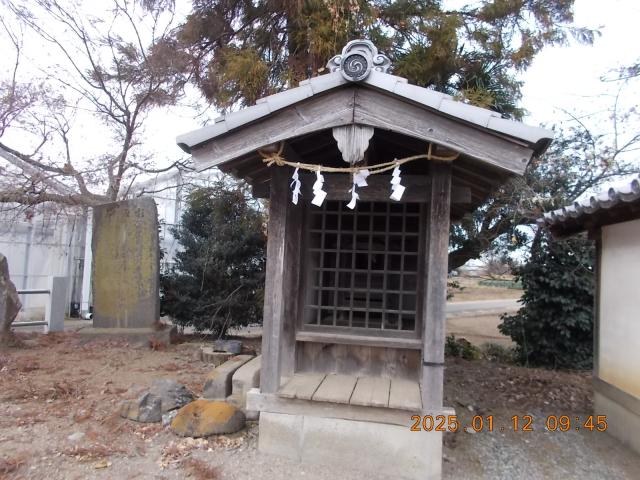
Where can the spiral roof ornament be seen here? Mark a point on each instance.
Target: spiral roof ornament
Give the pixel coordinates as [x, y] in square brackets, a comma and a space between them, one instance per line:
[357, 59]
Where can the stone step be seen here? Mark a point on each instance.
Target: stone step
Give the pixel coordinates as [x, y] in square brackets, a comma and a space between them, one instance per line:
[218, 384]
[247, 377]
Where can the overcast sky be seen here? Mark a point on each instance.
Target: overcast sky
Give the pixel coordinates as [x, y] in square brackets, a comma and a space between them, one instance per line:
[568, 78]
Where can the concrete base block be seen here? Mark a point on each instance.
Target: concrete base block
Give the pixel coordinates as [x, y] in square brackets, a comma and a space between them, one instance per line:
[208, 355]
[622, 423]
[375, 447]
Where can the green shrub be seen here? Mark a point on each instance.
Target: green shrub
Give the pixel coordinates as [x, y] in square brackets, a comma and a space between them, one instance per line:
[554, 327]
[218, 278]
[460, 348]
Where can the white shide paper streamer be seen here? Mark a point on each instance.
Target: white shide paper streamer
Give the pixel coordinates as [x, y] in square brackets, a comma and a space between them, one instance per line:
[318, 194]
[396, 189]
[359, 180]
[295, 184]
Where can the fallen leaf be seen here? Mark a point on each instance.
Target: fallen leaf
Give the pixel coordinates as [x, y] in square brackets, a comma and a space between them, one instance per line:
[101, 464]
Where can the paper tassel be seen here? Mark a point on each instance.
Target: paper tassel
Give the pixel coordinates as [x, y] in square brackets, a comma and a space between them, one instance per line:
[354, 198]
[360, 178]
[295, 184]
[397, 190]
[318, 194]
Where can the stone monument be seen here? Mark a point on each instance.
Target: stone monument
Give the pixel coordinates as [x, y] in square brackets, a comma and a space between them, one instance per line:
[126, 264]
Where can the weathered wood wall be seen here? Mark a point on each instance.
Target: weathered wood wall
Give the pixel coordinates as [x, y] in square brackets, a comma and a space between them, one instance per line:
[358, 360]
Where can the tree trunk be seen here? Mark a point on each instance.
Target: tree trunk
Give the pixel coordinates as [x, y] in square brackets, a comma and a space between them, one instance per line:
[10, 303]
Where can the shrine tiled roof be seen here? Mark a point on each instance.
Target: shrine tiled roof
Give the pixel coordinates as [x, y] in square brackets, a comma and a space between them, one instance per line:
[594, 209]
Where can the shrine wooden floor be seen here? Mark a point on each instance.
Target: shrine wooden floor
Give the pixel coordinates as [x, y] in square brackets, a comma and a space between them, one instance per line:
[396, 393]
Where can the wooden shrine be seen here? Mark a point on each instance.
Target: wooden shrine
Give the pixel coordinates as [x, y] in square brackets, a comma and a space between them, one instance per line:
[354, 314]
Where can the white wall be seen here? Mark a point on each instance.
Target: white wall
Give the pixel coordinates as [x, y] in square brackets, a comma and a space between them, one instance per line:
[45, 245]
[53, 243]
[619, 337]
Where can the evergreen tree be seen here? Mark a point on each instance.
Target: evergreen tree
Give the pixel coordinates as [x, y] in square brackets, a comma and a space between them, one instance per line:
[243, 50]
[218, 279]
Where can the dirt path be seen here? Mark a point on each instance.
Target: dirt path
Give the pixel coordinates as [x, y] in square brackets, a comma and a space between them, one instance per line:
[60, 389]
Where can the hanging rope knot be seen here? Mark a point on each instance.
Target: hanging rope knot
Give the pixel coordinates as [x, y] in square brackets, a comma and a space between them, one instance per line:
[274, 159]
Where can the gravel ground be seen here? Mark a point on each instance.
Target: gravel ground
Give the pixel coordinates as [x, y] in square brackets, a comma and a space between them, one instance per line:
[61, 387]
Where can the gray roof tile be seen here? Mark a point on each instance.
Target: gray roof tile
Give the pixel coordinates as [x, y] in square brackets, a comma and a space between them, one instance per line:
[381, 81]
[614, 195]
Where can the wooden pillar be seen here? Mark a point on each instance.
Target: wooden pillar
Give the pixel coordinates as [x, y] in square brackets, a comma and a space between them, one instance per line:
[281, 283]
[435, 287]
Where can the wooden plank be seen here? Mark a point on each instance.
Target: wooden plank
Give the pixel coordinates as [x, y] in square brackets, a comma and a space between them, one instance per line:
[335, 388]
[358, 360]
[302, 386]
[404, 395]
[292, 406]
[386, 112]
[364, 340]
[353, 141]
[371, 392]
[435, 281]
[281, 283]
[315, 114]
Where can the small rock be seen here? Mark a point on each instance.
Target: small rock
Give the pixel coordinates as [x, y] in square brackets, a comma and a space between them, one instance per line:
[171, 393]
[470, 408]
[101, 464]
[168, 417]
[204, 417]
[74, 437]
[147, 409]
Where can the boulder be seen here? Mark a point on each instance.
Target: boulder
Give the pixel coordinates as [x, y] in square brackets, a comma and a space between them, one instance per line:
[9, 302]
[146, 409]
[171, 393]
[202, 418]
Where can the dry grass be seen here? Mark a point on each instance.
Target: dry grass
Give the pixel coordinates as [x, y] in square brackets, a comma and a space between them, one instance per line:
[95, 451]
[200, 469]
[18, 388]
[10, 465]
[64, 389]
[472, 291]
[157, 345]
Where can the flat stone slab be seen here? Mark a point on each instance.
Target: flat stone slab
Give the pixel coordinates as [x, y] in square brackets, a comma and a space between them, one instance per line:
[218, 384]
[125, 274]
